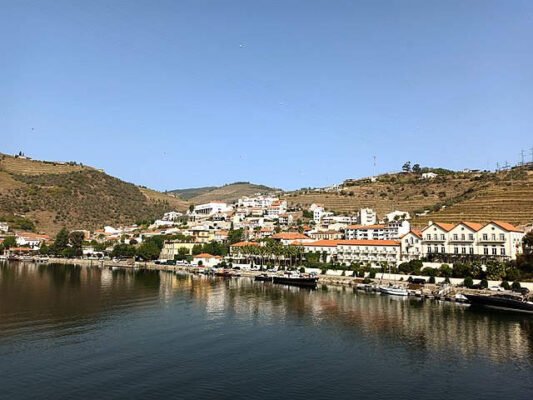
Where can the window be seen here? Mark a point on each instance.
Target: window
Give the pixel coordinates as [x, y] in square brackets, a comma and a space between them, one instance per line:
[462, 236]
[436, 249]
[435, 236]
[442, 250]
[494, 251]
[493, 236]
[502, 236]
[485, 236]
[463, 250]
[486, 250]
[455, 237]
[502, 251]
[471, 250]
[442, 237]
[471, 236]
[456, 250]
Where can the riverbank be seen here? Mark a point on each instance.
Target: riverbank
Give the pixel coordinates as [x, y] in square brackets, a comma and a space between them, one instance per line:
[427, 291]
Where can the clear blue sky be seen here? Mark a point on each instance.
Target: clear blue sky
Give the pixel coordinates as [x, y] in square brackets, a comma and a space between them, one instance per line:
[173, 94]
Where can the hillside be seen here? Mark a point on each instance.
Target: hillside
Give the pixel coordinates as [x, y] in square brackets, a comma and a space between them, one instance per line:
[450, 197]
[227, 193]
[52, 195]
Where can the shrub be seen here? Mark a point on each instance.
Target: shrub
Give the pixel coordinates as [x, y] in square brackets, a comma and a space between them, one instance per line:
[367, 280]
[505, 285]
[516, 286]
[302, 270]
[432, 279]
[468, 282]
[484, 284]
[372, 274]
[447, 280]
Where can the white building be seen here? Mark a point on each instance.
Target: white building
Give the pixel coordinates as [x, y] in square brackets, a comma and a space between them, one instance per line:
[206, 260]
[346, 252]
[411, 245]
[4, 227]
[209, 209]
[367, 216]
[259, 201]
[172, 216]
[496, 239]
[390, 231]
[429, 175]
[30, 239]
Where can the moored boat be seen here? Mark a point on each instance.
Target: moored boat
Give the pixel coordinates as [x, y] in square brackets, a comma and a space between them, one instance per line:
[502, 301]
[295, 279]
[394, 290]
[263, 278]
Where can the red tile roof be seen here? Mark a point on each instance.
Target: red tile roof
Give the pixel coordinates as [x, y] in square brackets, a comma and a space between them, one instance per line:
[289, 236]
[506, 225]
[206, 255]
[472, 225]
[243, 244]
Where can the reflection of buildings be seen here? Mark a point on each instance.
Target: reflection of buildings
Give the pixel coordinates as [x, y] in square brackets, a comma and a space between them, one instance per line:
[85, 294]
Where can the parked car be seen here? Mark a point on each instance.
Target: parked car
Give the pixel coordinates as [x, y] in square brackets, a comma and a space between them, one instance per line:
[523, 291]
[418, 281]
[496, 289]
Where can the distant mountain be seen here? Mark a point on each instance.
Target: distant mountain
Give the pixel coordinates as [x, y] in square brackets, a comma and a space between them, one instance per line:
[50, 195]
[227, 193]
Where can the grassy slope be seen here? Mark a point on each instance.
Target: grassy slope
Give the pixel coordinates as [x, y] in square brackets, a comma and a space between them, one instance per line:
[507, 196]
[228, 193]
[75, 196]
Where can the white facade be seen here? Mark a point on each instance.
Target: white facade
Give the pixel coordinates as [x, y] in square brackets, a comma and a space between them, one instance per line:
[256, 201]
[4, 227]
[209, 209]
[172, 216]
[429, 175]
[493, 240]
[367, 216]
[411, 246]
[390, 231]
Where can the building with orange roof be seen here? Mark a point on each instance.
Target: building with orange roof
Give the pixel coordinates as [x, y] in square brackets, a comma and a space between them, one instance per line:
[471, 240]
[206, 260]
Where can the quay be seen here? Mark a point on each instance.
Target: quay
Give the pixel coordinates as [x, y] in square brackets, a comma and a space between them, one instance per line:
[427, 291]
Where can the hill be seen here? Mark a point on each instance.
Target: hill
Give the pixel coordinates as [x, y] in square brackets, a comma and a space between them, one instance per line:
[50, 195]
[228, 193]
[451, 197]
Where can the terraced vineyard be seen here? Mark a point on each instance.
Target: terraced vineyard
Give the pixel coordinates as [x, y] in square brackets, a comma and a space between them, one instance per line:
[510, 201]
[451, 198]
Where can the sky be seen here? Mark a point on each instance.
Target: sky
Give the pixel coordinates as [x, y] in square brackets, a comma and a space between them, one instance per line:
[292, 93]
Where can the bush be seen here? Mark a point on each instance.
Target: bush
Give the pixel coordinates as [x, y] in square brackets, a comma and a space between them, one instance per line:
[302, 270]
[445, 270]
[367, 280]
[516, 286]
[447, 280]
[468, 282]
[432, 279]
[372, 274]
[484, 284]
[505, 285]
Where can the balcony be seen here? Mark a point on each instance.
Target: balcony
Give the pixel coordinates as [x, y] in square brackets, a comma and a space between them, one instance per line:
[489, 240]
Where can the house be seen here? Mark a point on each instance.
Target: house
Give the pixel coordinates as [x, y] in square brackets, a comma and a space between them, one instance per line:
[211, 208]
[172, 216]
[389, 231]
[206, 260]
[4, 227]
[429, 175]
[171, 248]
[411, 245]
[30, 239]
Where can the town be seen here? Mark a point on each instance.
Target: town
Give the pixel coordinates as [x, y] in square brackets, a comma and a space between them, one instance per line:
[262, 231]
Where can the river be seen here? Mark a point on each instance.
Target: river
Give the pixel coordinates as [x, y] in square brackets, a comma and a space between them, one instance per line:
[82, 332]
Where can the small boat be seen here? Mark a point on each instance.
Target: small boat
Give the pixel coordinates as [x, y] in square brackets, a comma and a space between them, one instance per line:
[263, 278]
[295, 279]
[502, 301]
[394, 290]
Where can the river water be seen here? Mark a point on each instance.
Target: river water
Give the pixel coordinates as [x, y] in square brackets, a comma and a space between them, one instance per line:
[82, 332]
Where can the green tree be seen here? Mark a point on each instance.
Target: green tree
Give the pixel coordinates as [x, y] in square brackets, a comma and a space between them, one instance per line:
[235, 236]
[148, 250]
[468, 282]
[9, 242]
[406, 167]
[122, 250]
[516, 286]
[61, 241]
[44, 250]
[445, 270]
[417, 169]
[76, 242]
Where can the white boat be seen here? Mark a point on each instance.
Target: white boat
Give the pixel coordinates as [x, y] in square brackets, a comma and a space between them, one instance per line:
[394, 290]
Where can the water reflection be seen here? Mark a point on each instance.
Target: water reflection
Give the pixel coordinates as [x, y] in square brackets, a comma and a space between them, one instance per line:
[55, 298]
